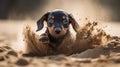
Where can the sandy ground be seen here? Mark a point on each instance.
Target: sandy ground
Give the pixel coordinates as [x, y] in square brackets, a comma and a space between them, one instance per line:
[10, 35]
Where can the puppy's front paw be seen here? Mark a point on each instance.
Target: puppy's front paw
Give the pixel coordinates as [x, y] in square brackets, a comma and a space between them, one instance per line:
[44, 38]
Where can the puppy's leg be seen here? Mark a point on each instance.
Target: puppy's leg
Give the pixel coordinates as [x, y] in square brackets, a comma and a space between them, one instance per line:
[33, 45]
[44, 38]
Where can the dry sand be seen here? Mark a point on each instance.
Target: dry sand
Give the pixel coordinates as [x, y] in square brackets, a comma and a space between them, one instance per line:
[103, 56]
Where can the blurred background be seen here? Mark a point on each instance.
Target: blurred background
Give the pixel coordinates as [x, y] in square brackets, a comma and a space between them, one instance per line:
[104, 10]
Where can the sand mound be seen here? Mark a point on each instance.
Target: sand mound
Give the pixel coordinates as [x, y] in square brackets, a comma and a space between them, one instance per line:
[88, 36]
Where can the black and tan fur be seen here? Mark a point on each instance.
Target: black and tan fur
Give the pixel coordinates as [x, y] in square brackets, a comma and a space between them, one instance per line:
[51, 43]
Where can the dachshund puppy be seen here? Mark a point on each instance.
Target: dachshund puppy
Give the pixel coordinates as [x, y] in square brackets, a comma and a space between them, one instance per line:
[57, 38]
[57, 26]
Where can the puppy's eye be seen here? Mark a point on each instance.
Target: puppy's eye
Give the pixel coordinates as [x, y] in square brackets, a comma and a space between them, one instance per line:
[63, 17]
[51, 19]
[65, 21]
[50, 22]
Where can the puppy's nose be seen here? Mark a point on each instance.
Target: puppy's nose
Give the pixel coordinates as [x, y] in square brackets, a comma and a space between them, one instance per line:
[57, 30]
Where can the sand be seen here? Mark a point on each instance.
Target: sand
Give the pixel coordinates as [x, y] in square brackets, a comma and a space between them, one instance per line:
[10, 41]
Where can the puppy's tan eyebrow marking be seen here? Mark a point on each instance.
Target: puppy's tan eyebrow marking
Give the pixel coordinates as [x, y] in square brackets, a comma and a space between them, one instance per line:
[63, 17]
[52, 17]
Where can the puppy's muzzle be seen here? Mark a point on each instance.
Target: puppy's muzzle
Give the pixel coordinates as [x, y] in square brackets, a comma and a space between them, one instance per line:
[58, 30]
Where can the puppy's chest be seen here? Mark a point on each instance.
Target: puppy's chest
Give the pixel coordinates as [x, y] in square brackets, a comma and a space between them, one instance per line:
[55, 43]
[61, 47]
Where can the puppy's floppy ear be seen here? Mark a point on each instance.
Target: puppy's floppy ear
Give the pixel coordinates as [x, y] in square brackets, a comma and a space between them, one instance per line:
[40, 23]
[75, 25]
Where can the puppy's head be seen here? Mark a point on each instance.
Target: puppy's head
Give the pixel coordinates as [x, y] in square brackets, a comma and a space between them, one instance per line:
[58, 23]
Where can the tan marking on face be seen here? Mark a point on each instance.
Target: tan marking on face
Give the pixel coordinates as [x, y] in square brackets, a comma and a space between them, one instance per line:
[52, 17]
[63, 17]
[52, 32]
